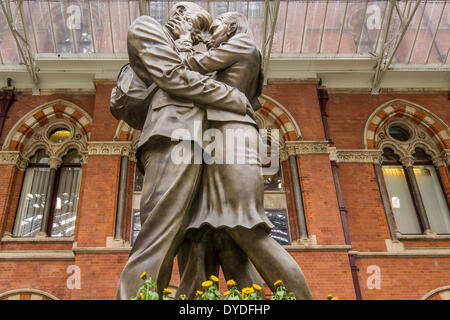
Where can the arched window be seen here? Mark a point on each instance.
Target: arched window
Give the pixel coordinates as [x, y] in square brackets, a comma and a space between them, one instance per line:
[413, 184]
[33, 197]
[50, 196]
[65, 201]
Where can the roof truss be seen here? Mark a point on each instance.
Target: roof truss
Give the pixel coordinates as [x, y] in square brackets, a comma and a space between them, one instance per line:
[392, 39]
[22, 40]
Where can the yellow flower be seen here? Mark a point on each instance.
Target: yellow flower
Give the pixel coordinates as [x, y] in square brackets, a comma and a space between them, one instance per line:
[330, 296]
[335, 298]
[142, 296]
[231, 283]
[248, 290]
[182, 295]
[256, 287]
[226, 293]
[214, 278]
[207, 283]
[143, 274]
[199, 292]
[277, 282]
[167, 290]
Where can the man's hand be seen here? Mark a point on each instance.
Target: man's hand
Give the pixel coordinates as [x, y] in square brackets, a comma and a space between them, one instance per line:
[181, 27]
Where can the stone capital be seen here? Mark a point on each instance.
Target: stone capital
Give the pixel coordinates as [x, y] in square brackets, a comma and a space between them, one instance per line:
[13, 157]
[54, 162]
[407, 161]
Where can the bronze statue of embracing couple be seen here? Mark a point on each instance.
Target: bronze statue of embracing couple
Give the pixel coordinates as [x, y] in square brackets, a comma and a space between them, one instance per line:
[208, 213]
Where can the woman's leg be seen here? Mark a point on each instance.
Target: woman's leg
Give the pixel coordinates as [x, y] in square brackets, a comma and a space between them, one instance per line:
[271, 260]
[235, 263]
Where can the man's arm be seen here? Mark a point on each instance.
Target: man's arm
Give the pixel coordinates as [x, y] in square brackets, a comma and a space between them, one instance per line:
[154, 60]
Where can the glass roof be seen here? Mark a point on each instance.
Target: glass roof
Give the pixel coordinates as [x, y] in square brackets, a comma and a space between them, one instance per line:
[303, 27]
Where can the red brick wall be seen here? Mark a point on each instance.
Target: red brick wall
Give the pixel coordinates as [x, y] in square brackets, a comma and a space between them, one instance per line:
[49, 276]
[104, 124]
[404, 278]
[365, 214]
[301, 102]
[319, 199]
[10, 185]
[348, 113]
[98, 201]
[100, 275]
[326, 273]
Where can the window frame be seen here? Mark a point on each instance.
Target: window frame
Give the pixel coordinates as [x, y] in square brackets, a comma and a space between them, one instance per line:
[408, 181]
[52, 197]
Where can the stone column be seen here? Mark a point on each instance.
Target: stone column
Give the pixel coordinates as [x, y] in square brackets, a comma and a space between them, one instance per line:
[121, 201]
[385, 200]
[303, 233]
[408, 164]
[54, 165]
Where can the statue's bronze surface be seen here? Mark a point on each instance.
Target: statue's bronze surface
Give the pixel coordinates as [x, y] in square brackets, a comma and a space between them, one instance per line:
[211, 214]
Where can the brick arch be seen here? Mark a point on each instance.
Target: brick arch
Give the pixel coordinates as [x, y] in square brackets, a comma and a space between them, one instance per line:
[43, 114]
[442, 293]
[281, 117]
[270, 109]
[27, 294]
[124, 132]
[399, 108]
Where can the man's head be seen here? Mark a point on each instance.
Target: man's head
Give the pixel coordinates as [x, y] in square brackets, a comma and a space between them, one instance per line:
[225, 26]
[193, 17]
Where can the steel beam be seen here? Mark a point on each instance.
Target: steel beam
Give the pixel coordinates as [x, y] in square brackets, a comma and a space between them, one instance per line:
[26, 55]
[270, 20]
[383, 62]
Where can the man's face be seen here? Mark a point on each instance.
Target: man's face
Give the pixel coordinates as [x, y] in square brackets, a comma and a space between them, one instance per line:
[181, 23]
[219, 34]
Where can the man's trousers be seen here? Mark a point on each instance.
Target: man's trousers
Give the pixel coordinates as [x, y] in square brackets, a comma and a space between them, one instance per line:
[167, 194]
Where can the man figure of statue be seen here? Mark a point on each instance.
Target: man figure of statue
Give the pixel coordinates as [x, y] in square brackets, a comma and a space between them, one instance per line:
[169, 188]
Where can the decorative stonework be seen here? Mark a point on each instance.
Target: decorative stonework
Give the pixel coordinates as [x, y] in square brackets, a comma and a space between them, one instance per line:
[306, 147]
[27, 294]
[39, 139]
[13, 157]
[431, 127]
[41, 116]
[110, 148]
[443, 159]
[361, 156]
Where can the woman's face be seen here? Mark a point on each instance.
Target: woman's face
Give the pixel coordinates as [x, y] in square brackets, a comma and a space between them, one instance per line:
[219, 34]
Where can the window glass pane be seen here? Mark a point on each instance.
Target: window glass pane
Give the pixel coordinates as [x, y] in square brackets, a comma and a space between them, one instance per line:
[138, 180]
[72, 157]
[59, 135]
[136, 225]
[273, 182]
[433, 198]
[66, 202]
[401, 201]
[399, 133]
[389, 155]
[32, 202]
[39, 157]
[421, 155]
[280, 230]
